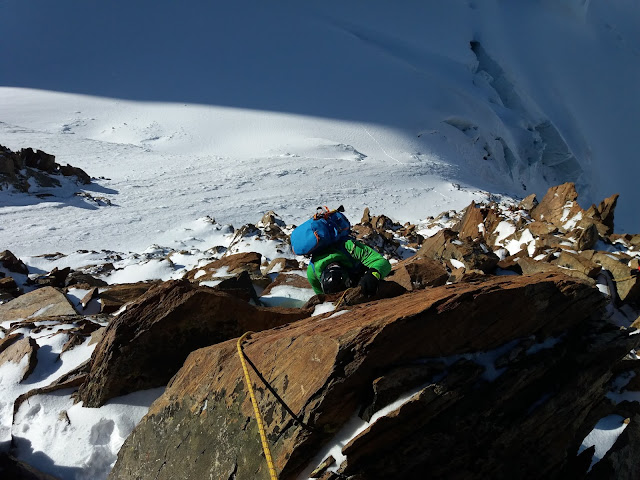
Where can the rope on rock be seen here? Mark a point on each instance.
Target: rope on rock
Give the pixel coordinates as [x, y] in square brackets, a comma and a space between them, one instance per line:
[256, 411]
[342, 297]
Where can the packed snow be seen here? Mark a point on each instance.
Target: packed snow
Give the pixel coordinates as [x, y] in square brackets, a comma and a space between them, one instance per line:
[192, 118]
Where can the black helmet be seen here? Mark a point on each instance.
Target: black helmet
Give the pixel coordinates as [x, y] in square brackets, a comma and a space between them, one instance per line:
[334, 278]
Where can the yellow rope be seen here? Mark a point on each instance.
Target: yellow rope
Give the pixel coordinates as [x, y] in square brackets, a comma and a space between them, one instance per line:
[624, 279]
[256, 411]
[342, 298]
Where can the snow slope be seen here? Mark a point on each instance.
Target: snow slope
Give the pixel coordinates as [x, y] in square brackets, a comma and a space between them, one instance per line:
[231, 110]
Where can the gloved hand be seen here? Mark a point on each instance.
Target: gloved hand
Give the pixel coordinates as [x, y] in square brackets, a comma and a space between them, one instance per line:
[369, 282]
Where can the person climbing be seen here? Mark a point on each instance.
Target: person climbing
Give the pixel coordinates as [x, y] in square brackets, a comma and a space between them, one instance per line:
[338, 261]
[347, 264]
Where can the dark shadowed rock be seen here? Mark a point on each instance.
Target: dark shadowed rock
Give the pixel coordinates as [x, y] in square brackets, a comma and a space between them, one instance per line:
[148, 343]
[8, 285]
[586, 237]
[460, 425]
[39, 160]
[9, 261]
[239, 286]
[620, 460]
[55, 278]
[79, 278]
[13, 469]
[627, 279]
[603, 214]
[69, 171]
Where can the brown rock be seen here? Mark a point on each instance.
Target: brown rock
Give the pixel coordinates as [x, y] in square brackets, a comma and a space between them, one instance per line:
[79, 278]
[445, 245]
[17, 350]
[627, 239]
[278, 265]
[418, 272]
[8, 285]
[147, 344]
[7, 166]
[528, 203]
[461, 275]
[579, 263]
[552, 242]
[366, 216]
[587, 237]
[626, 279]
[289, 280]
[379, 239]
[538, 229]
[232, 264]
[114, 297]
[606, 212]
[7, 341]
[55, 278]
[90, 295]
[468, 227]
[9, 261]
[491, 222]
[271, 218]
[46, 300]
[530, 266]
[239, 286]
[39, 159]
[70, 171]
[558, 206]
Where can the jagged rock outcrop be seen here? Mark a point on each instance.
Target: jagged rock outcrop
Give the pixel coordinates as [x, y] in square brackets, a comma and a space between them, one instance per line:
[230, 265]
[418, 272]
[497, 366]
[17, 168]
[9, 261]
[148, 343]
[446, 246]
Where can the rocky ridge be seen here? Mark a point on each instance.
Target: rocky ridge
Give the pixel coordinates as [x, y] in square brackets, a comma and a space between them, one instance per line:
[26, 167]
[490, 322]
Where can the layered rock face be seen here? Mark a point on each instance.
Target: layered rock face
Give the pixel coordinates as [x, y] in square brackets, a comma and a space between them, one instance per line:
[521, 414]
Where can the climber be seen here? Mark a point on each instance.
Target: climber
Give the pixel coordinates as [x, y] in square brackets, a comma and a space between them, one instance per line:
[346, 264]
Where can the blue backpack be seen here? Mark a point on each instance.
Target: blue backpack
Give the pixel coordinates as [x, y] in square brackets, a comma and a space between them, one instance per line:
[324, 229]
